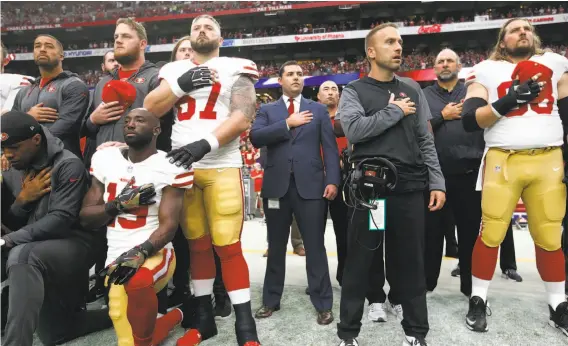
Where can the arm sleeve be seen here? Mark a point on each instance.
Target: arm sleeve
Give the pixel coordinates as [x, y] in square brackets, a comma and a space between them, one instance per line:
[360, 128]
[330, 152]
[426, 144]
[247, 67]
[74, 103]
[171, 72]
[69, 187]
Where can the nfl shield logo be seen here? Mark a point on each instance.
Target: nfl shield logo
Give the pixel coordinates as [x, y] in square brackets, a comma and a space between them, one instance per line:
[129, 169]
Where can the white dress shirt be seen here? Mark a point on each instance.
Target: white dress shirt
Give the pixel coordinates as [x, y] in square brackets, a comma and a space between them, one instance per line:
[296, 102]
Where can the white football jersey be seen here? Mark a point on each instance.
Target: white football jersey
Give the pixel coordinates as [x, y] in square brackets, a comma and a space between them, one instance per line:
[529, 126]
[203, 110]
[112, 169]
[10, 84]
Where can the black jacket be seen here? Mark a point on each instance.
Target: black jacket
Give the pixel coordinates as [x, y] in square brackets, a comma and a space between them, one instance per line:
[56, 214]
[459, 151]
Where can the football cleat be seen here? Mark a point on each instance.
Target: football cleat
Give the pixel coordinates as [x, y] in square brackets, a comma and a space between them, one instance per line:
[559, 317]
[476, 318]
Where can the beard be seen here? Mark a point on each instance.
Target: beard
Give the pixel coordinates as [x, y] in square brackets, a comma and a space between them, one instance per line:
[127, 58]
[205, 46]
[520, 52]
[47, 64]
[140, 141]
[447, 77]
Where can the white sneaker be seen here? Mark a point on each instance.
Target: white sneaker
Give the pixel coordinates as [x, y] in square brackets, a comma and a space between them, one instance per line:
[412, 341]
[396, 310]
[377, 312]
[349, 342]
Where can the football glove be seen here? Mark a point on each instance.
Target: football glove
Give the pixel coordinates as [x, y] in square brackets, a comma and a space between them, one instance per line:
[518, 94]
[196, 78]
[188, 154]
[127, 264]
[133, 197]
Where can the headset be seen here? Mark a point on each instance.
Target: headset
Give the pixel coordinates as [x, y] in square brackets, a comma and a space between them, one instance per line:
[377, 175]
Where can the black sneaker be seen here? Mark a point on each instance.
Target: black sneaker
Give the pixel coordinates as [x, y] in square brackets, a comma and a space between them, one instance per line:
[95, 293]
[476, 318]
[177, 297]
[222, 306]
[349, 342]
[512, 274]
[456, 271]
[559, 318]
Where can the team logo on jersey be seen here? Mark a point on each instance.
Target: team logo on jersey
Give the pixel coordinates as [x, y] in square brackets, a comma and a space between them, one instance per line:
[51, 89]
[139, 80]
[5, 136]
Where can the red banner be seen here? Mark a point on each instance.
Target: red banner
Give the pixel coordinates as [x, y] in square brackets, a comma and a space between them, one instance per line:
[304, 6]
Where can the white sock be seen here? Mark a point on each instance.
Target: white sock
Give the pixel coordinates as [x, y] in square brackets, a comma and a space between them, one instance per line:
[479, 287]
[555, 293]
[240, 296]
[203, 287]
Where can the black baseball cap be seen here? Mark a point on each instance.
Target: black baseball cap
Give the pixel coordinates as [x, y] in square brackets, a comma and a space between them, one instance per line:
[17, 127]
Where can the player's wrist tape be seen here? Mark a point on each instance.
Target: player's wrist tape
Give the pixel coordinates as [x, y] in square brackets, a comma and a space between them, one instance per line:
[112, 209]
[212, 140]
[176, 89]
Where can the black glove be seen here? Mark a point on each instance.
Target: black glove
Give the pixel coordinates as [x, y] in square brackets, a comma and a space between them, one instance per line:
[127, 264]
[131, 197]
[196, 78]
[518, 94]
[188, 154]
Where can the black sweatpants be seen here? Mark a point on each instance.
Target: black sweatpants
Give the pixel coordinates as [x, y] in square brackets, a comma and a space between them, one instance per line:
[48, 281]
[376, 292]
[404, 250]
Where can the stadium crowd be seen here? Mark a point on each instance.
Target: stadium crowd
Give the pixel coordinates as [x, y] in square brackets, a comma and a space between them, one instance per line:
[99, 129]
[15, 14]
[322, 67]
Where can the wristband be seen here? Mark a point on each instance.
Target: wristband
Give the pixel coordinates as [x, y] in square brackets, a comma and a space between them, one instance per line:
[212, 140]
[174, 86]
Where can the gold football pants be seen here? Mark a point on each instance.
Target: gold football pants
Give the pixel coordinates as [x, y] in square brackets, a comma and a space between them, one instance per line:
[214, 206]
[162, 266]
[535, 175]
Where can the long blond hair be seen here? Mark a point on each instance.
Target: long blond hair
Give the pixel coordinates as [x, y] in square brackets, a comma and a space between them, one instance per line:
[499, 53]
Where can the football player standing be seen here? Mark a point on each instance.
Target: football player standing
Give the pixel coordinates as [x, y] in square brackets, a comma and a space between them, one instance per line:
[215, 102]
[518, 97]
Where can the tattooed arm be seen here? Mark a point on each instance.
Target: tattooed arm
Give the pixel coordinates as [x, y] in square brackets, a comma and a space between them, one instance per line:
[168, 216]
[243, 109]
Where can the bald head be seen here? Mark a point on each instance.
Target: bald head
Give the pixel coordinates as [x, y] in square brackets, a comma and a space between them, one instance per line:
[141, 128]
[328, 94]
[447, 66]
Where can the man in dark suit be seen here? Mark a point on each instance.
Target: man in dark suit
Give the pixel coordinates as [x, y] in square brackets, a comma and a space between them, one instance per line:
[296, 132]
